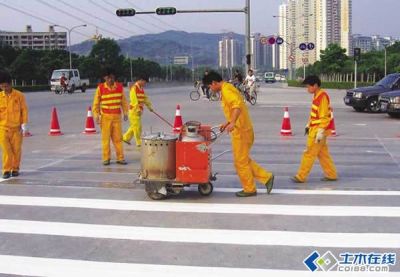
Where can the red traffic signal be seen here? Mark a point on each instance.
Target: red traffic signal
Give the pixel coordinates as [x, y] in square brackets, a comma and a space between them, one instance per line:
[125, 12]
[166, 11]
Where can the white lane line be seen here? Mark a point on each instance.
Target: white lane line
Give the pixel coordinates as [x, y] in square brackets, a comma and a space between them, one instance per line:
[33, 266]
[211, 236]
[154, 206]
[319, 192]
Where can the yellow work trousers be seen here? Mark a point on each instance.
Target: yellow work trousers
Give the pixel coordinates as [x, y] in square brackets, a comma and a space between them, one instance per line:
[135, 128]
[316, 150]
[11, 143]
[111, 128]
[246, 168]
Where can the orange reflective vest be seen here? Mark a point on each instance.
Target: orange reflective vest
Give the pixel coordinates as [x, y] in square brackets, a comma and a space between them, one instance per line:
[111, 99]
[315, 119]
[140, 96]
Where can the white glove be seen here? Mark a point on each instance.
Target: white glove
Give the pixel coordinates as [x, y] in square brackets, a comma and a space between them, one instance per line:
[24, 128]
[320, 135]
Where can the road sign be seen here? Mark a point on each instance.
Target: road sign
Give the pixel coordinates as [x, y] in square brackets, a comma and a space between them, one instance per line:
[310, 46]
[271, 40]
[279, 40]
[263, 40]
[305, 60]
[181, 59]
[291, 58]
[302, 46]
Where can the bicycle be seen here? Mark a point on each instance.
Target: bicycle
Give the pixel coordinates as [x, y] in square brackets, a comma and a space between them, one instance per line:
[61, 90]
[248, 96]
[195, 94]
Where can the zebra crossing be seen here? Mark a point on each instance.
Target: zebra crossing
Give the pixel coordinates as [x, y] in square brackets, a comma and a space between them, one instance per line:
[77, 231]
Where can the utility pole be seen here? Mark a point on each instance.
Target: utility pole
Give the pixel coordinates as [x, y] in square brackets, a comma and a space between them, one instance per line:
[248, 44]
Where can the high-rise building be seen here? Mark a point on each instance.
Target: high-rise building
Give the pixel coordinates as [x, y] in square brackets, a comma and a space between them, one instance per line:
[321, 22]
[229, 53]
[35, 40]
[362, 42]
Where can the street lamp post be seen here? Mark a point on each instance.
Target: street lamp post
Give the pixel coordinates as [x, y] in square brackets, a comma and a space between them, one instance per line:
[385, 62]
[69, 39]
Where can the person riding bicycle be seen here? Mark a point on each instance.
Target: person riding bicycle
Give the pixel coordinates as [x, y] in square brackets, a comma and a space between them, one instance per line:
[250, 81]
[64, 81]
[205, 89]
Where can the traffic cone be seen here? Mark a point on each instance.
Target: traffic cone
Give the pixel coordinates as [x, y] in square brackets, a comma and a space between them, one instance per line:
[54, 125]
[333, 127]
[286, 128]
[178, 120]
[90, 128]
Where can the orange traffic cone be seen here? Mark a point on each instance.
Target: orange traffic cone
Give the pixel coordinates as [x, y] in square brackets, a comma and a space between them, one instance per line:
[178, 120]
[332, 125]
[54, 126]
[90, 128]
[286, 128]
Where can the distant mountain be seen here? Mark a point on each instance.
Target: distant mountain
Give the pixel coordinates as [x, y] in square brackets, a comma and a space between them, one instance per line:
[160, 47]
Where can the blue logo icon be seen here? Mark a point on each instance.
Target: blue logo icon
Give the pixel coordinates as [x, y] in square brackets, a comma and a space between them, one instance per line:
[310, 261]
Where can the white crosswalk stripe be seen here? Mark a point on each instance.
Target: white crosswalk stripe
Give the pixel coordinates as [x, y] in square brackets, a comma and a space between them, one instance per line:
[22, 235]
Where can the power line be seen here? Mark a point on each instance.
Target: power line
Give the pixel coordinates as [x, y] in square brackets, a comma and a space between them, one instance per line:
[76, 17]
[124, 19]
[36, 17]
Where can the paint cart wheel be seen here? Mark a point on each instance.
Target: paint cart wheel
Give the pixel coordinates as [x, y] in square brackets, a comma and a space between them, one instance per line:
[205, 189]
[156, 195]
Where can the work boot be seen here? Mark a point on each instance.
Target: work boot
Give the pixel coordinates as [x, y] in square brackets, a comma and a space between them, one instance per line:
[6, 175]
[296, 180]
[127, 142]
[14, 173]
[326, 179]
[122, 162]
[270, 184]
[106, 162]
[242, 193]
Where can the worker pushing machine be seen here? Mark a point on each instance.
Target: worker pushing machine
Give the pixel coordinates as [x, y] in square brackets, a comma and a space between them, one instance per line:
[318, 129]
[108, 101]
[138, 99]
[13, 124]
[240, 126]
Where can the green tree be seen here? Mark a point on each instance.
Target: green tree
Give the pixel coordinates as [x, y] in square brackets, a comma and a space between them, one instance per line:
[333, 59]
[107, 53]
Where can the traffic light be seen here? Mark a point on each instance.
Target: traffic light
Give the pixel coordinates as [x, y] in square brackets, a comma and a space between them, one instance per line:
[166, 11]
[125, 12]
[248, 59]
[357, 54]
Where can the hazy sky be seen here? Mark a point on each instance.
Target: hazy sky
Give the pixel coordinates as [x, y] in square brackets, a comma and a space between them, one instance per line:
[369, 16]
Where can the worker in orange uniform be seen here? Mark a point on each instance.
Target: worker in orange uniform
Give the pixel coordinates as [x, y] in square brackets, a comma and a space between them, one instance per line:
[318, 129]
[138, 99]
[239, 125]
[13, 124]
[108, 101]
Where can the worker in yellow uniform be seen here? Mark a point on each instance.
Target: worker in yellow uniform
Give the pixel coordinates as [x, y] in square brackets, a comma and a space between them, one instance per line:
[108, 101]
[138, 99]
[13, 124]
[318, 129]
[239, 125]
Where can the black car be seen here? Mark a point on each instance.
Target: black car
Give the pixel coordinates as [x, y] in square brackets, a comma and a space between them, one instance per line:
[368, 97]
[389, 102]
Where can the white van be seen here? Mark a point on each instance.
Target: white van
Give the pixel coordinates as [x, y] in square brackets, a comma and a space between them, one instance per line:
[74, 80]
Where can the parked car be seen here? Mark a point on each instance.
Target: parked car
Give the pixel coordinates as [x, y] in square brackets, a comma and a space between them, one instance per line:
[389, 102]
[74, 80]
[368, 97]
[269, 77]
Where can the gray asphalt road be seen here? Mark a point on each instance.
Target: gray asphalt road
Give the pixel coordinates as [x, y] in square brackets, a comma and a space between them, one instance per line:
[67, 215]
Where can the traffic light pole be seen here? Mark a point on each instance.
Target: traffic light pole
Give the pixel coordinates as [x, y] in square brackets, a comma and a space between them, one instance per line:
[246, 10]
[355, 74]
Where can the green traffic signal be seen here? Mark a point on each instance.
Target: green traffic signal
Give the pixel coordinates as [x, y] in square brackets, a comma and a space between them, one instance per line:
[166, 11]
[125, 12]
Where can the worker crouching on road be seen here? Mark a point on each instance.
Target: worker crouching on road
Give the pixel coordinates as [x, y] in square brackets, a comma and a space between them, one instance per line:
[318, 129]
[13, 124]
[240, 127]
[138, 99]
[108, 101]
